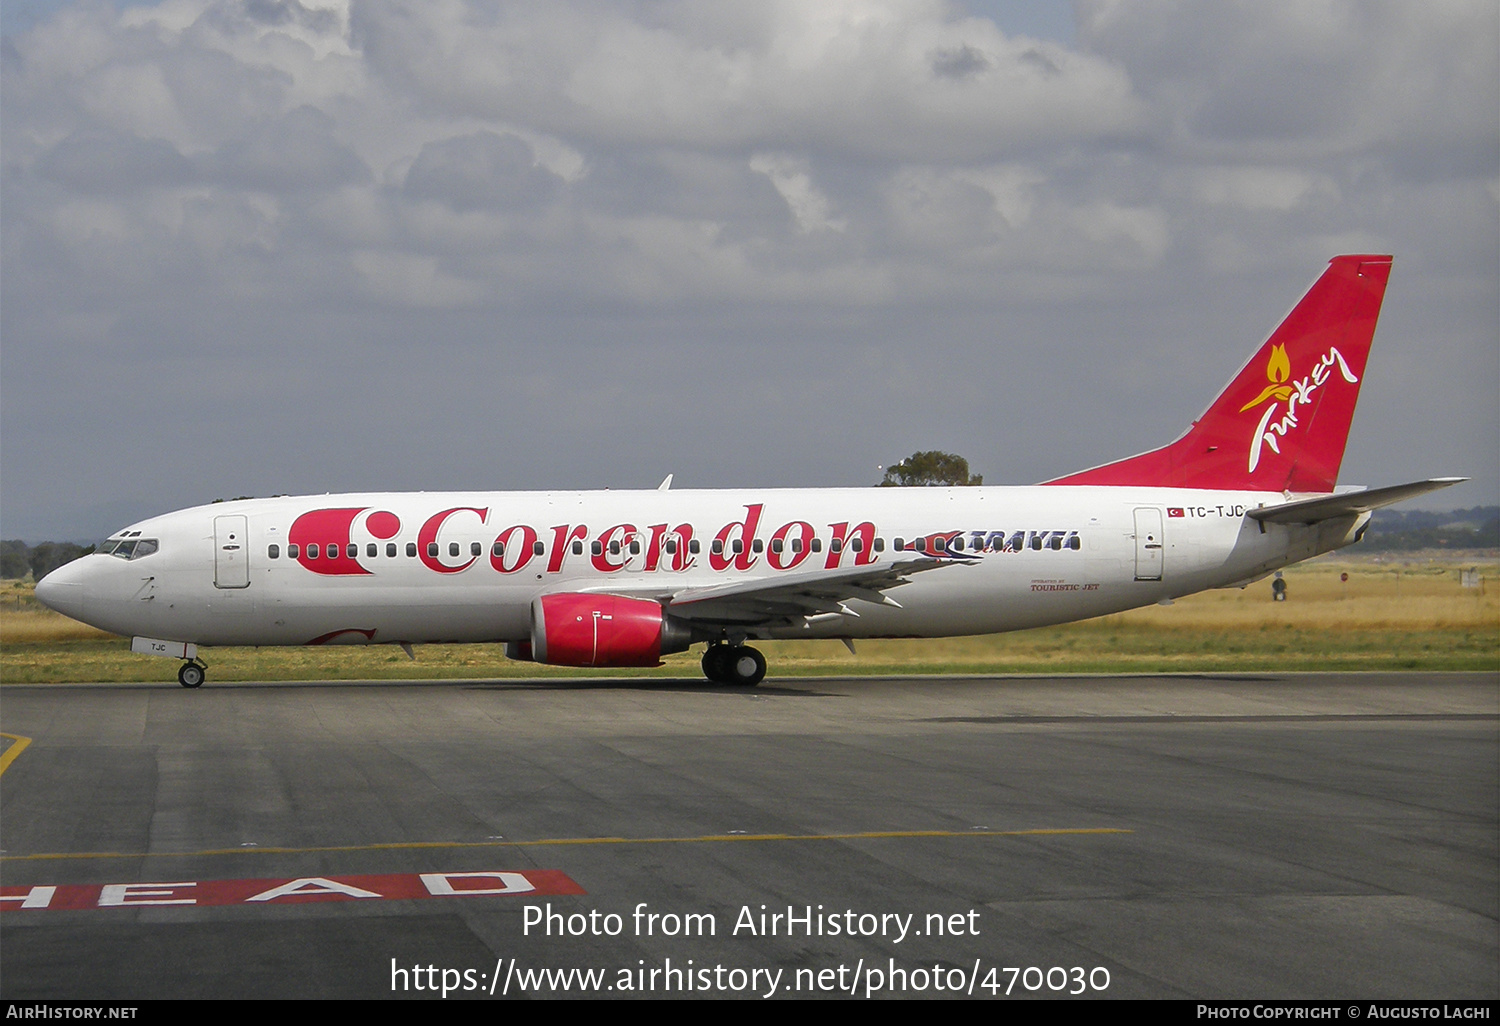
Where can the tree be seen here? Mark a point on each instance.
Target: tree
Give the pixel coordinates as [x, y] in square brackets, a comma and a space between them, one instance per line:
[13, 562]
[48, 556]
[930, 469]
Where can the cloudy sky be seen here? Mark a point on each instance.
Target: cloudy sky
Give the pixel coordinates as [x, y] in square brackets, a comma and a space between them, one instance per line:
[260, 246]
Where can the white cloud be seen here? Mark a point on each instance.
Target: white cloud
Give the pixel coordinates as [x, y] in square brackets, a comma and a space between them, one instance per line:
[856, 78]
[411, 280]
[794, 182]
[1260, 188]
[257, 181]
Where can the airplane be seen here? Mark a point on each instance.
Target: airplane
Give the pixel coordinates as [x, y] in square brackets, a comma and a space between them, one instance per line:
[621, 578]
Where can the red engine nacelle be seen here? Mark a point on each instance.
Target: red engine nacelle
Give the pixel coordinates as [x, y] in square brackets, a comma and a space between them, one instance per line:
[603, 630]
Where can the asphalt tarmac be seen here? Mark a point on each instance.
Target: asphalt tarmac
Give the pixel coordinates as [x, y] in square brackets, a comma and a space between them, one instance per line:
[1209, 836]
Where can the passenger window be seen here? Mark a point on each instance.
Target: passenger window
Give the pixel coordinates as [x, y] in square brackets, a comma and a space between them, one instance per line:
[352, 551]
[498, 549]
[1074, 543]
[879, 544]
[1056, 544]
[776, 545]
[411, 550]
[614, 548]
[836, 546]
[671, 546]
[273, 551]
[921, 544]
[957, 544]
[857, 544]
[432, 550]
[537, 548]
[578, 548]
[694, 547]
[796, 544]
[390, 549]
[291, 552]
[739, 546]
[312, 550]
[475, 548]
[817, 544]
[372, 550]
[758, 545]
[1036, 543]
[597, 548]
[717, 548]
[900, 544]
[453, 548]
[635, 548]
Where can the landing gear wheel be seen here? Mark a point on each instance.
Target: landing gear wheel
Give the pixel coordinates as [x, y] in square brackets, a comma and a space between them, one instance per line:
[745, 667]
[191, 675]
[716, 663]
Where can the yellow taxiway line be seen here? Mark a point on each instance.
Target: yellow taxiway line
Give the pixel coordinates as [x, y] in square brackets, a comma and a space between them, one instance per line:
[564, 841]
[16, 747]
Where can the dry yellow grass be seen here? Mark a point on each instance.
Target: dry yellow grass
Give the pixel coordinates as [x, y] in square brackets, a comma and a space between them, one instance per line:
[36, 625]
[1377, 596]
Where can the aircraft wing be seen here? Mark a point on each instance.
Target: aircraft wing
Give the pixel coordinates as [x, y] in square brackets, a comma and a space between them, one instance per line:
[1330, 507]
[818, 594]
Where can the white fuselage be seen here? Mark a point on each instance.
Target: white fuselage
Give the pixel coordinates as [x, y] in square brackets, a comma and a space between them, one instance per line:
[425, 567]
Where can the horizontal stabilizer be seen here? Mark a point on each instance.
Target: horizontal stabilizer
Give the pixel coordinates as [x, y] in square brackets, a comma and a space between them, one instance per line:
[1330, 507]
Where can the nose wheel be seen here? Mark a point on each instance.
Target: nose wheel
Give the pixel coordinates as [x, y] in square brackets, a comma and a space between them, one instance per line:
[735, 665]
[192, 675]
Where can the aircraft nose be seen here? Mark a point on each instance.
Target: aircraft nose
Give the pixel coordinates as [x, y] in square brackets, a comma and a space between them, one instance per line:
[62, 590]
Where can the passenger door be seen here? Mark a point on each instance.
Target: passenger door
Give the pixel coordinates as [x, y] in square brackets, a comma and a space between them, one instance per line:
[231, 552]
[1148, 545]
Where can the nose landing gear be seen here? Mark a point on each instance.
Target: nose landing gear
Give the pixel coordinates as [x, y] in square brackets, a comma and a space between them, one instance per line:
[735, 665]
[192, 674]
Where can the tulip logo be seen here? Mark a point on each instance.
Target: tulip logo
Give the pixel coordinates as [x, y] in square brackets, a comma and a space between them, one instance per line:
[1279, 371]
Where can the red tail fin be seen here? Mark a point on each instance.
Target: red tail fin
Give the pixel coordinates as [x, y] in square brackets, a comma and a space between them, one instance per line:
[1282, 423]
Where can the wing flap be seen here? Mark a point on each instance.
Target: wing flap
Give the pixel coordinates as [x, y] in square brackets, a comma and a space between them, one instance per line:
[816, 594]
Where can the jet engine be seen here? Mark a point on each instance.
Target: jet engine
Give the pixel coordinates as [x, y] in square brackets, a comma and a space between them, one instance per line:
[603, 630]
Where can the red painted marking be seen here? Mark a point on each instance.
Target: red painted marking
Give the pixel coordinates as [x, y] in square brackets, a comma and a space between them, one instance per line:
[519, 551]
[323, 639]
[528, 883]
[329, 529]
[786, 559]
[383, 525]
[429, 533]
[743, 531]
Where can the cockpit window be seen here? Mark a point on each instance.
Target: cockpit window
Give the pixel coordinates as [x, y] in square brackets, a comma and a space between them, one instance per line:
[130, 548]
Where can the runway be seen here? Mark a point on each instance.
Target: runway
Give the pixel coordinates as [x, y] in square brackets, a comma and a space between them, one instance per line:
[1211, 836]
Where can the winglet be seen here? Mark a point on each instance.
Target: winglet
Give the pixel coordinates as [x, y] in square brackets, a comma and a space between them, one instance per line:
[1282, 423]
[666, 483]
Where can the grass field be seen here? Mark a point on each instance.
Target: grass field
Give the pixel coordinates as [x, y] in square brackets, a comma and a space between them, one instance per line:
[1406, 612]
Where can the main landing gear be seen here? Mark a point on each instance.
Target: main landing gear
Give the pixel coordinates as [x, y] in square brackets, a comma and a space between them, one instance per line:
[192, 674]
[735, 665]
